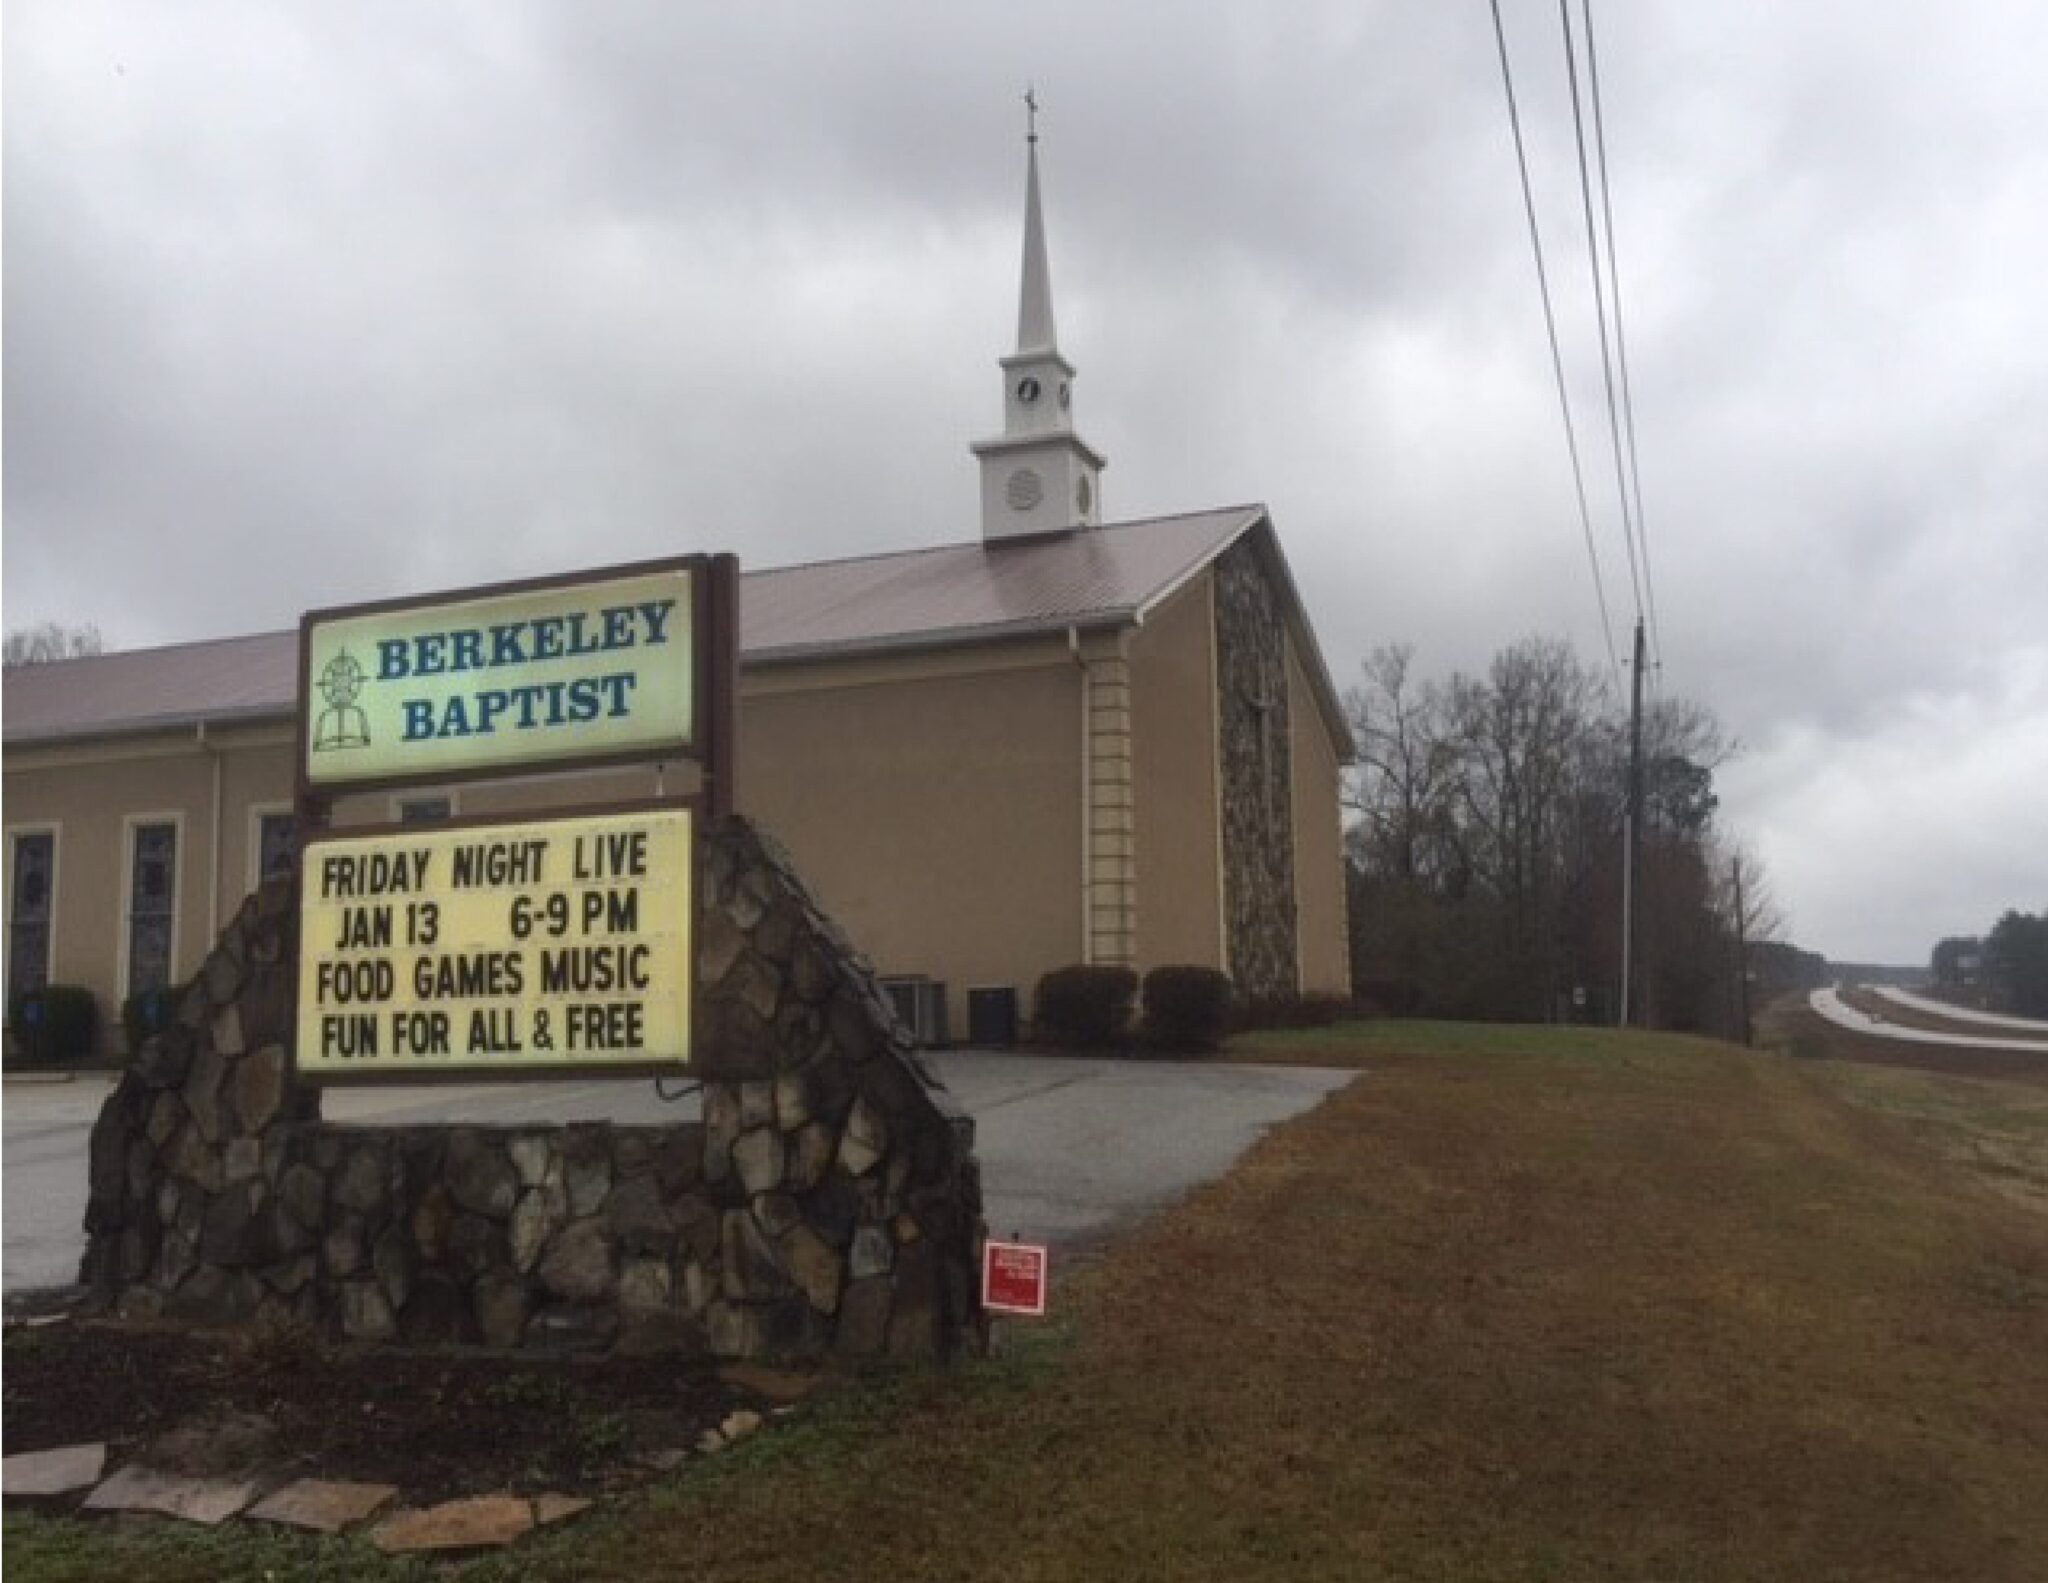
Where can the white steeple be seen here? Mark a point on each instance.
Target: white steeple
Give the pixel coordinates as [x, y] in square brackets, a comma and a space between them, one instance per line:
[1034, 307]
[1039, 476]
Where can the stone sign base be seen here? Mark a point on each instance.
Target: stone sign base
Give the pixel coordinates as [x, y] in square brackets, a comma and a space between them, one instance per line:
[828, 1202]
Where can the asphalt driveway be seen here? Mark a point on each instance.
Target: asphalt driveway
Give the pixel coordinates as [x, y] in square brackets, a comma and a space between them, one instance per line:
[1071, 1148]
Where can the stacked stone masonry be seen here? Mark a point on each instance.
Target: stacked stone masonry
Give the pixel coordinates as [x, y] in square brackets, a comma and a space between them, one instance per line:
[1257, 776]
[827, 1202]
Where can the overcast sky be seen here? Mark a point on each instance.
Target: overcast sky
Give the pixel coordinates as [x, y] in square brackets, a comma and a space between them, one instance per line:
[311, 303]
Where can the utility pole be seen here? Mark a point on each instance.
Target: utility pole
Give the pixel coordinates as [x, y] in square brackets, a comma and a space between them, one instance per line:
[1632, 834]
[1741, 957]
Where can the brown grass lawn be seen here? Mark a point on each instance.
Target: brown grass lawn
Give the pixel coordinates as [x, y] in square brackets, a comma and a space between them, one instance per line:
[1558, 1307]
[1985, 1111]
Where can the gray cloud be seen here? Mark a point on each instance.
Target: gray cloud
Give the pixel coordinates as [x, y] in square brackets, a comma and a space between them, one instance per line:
[310, 304]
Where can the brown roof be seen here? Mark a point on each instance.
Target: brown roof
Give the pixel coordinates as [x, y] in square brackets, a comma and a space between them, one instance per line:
[956, 593]
[967, 592]
[220, 679]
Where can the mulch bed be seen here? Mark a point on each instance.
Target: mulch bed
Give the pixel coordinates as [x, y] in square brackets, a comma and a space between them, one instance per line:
[438, 1424]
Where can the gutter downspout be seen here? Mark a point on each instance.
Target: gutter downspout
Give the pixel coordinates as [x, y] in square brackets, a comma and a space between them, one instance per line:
[1087, 811]
[213, 847]
[1215, 713]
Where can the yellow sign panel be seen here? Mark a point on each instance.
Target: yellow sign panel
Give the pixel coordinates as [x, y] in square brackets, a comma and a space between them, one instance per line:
[568, 671]
[502, 948]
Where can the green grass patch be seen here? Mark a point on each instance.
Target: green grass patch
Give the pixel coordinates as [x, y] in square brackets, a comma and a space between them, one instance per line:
[149, 1550]
[1356, 1043]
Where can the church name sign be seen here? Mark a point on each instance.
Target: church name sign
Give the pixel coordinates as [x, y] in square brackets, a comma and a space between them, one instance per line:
[599, 668]
[556, 942]
[498, 948]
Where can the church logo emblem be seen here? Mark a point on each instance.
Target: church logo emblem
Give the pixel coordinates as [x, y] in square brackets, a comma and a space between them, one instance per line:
[342, 724]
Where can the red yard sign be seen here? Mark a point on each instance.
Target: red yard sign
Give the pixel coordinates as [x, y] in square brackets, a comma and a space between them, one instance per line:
[1013, 1278]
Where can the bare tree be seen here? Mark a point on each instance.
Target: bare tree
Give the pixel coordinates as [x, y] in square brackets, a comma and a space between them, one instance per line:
[1406, 764]
[51, 640]
[1405, 849]
[1486, 850]
[1762, 918]
[1523, 733]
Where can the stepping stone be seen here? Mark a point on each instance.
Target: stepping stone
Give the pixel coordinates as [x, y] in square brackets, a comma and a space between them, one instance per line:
[666, 1460]
[709, 1441]
[324, 1505]
[740, 1423]
[209, 1502]
[777, 1385]
[479, 1523]
[553, 1508]
[45, 1473]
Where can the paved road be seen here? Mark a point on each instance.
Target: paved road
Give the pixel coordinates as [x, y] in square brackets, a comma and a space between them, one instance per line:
[1830, 1005]
[1070, 1149]
[2025, 1026]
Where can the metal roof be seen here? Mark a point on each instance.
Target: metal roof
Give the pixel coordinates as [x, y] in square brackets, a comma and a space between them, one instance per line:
[930, 598]
[222, 679]
[966, 592]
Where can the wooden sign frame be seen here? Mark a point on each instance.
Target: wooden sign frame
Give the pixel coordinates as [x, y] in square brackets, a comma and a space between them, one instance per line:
[715, 618]
[714, 623]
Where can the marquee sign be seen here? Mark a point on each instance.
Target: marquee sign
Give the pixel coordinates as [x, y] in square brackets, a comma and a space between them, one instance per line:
[603, 667]
[494, 948]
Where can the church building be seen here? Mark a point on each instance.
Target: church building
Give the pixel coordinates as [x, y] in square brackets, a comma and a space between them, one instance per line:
[1063, 740]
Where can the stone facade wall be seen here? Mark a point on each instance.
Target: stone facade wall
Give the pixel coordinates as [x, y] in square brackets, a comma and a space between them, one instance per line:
[828, 1201]
[1258, 820]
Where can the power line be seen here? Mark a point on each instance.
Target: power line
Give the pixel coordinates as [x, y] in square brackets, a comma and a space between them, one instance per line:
[1571, 66]
[1628, 406]
[1564, 403]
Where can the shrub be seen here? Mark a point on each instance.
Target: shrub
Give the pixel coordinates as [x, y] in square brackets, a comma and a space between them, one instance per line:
[143, 1014]
[1085, 1008]
[53, 1024]
[1187, 1008]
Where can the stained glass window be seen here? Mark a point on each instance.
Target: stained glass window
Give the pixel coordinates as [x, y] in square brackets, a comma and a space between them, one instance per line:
[28, 911]
[152, 902]
[273, 844]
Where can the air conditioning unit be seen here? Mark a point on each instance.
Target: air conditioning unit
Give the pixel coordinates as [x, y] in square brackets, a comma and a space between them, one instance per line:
[992, 1016]
[920, 1004]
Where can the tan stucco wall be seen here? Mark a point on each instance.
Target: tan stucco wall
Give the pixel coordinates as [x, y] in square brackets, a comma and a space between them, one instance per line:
[91, 796]
[1318, 842]
[1173, 710]
[251, 778]
[934, 807]
[932, 802]
[523, 794]
[935, 803]
[958, 777]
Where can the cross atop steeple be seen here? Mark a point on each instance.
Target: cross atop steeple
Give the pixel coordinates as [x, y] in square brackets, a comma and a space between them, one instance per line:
[1030, 113]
